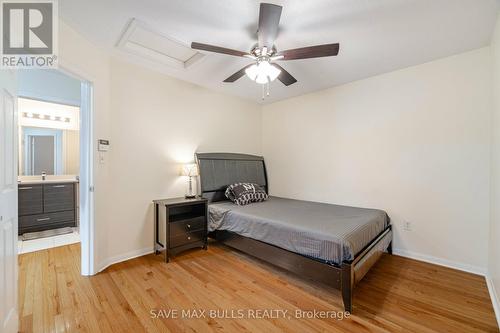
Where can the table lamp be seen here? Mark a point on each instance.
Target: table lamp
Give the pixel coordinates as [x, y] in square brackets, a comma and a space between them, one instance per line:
[190, 170]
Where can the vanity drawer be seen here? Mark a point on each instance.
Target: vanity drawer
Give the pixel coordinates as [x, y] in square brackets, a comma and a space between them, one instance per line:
[186, 238]
[43, 222]
[58, 197]
[188, 225]
[46, 219]
[30, 199]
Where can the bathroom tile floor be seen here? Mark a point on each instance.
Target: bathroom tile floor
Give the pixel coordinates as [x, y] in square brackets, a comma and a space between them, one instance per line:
[33, 245]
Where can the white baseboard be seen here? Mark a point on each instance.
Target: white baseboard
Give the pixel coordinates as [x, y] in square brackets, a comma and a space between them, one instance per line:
[403, 253]
[441, 262]
[494, 298]
[124, 257]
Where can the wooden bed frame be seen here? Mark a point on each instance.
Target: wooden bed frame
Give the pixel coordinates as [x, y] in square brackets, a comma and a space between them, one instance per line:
[218, 170]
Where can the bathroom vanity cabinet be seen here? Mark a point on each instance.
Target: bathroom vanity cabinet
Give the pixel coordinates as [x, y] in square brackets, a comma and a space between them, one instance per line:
[44, 206]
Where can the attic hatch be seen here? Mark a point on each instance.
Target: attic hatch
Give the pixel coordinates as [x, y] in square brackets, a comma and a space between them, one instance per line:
[144, 42]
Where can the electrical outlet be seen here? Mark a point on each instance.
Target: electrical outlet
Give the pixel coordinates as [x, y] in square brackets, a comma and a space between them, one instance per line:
[407, 226]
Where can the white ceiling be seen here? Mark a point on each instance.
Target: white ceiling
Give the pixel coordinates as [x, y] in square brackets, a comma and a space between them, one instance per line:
[375, 36]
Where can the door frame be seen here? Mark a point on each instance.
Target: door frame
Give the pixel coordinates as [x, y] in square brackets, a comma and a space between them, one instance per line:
[86, 181]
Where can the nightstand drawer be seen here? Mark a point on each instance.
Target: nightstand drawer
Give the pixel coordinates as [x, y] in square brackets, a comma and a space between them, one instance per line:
[186, 238]
[189, 225]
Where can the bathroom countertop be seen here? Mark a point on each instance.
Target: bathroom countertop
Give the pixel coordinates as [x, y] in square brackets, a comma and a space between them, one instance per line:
[30, 180]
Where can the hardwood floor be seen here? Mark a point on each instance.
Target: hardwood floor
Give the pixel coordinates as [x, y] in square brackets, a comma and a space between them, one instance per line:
[397, 295]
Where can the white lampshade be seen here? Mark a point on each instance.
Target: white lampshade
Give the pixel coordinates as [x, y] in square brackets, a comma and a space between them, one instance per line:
[273, 72]
[252, 72]
[190, 170]
[261, 79]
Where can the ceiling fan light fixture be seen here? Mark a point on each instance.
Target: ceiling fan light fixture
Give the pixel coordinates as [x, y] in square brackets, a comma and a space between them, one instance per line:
[263, 72]
[264, 53]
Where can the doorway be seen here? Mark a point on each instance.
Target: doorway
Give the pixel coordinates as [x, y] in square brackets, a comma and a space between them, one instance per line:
[55, 161]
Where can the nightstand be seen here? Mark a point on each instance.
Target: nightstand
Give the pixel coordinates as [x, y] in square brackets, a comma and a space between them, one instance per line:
[180, 224]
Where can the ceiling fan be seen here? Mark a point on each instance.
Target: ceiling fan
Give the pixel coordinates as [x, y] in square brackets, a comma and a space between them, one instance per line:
[265, 69]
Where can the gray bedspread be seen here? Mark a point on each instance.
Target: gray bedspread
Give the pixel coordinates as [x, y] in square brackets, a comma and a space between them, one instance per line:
[331, 233]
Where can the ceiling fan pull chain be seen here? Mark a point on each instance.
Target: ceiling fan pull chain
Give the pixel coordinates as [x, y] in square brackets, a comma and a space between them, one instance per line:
[267, 84]
[263, 95]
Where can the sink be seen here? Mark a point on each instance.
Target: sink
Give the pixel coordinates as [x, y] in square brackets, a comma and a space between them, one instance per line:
[48, 179]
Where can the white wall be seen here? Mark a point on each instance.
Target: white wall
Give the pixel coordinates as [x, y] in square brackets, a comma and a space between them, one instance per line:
[79, 56]
[49, 85]
[494, 248]
[71, 152]
[414, 142]
[158, 123]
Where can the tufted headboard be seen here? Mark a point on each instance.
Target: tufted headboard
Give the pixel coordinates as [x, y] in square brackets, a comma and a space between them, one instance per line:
[218, 170]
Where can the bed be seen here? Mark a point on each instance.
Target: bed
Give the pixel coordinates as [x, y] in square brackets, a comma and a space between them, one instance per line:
[333, 244]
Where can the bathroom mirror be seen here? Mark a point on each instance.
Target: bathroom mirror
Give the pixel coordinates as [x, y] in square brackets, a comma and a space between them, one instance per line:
[48, 138]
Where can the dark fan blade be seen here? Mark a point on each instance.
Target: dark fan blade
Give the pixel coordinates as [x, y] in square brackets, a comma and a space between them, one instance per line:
[269, 20]
[217, 49]
[285, 77]
[317, 51]
[237, 75]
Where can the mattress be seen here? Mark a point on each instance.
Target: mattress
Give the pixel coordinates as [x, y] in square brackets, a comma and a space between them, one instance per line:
[330, 233]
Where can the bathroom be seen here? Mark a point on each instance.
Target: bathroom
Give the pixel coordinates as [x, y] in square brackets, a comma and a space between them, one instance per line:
[49, 159]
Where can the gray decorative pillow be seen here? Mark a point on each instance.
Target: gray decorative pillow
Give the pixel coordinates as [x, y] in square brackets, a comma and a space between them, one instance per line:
[245, 193]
